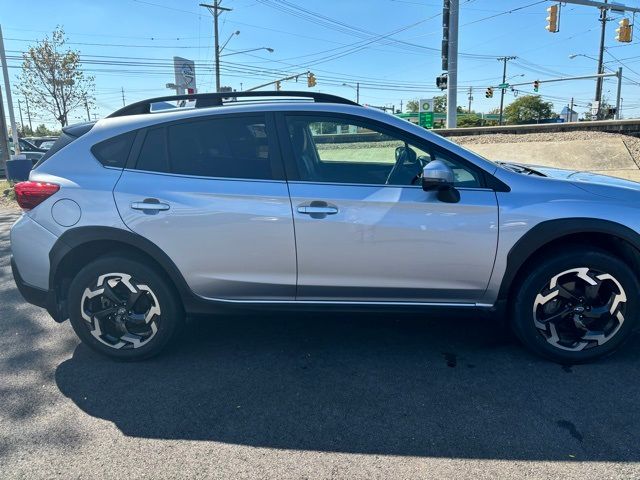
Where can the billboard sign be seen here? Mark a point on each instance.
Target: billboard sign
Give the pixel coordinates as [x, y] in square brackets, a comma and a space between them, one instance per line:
[185, 72]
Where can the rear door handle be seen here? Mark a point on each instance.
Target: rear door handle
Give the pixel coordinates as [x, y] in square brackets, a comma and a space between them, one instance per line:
[150, 205]
[317, 209]
[308, 210]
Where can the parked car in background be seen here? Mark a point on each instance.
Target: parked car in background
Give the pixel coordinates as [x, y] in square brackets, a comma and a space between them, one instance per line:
[139, 218]
[47, 144]
[27, 148]
[40, 142]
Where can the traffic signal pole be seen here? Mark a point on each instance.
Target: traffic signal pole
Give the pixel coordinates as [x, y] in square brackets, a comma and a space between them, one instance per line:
[452, 77]
[619, 94]
[274, 82]
[604, 6]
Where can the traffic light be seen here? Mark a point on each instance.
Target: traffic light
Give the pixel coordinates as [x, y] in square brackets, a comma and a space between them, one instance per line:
[311, 80]
[489, 93]
[552, 19]
[624, 31]
[441, 82]
[536, 85]
[278, 85]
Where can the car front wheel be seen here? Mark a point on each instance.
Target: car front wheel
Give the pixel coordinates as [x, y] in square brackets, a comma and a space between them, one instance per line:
[576, 305]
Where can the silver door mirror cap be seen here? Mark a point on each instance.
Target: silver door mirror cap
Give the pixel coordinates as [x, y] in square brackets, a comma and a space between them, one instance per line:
[437, 175]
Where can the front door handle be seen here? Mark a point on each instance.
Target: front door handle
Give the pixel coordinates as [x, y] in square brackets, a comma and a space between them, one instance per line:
[150, 205]
[317, 209]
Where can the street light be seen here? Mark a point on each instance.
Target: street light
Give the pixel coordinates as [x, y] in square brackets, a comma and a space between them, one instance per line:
[574, 55]
[356, 88]
[268, 49]
[516, 76]
[237, 32]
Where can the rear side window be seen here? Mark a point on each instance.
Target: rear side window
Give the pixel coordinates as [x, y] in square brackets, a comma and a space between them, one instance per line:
[114, 151]
[227, 147]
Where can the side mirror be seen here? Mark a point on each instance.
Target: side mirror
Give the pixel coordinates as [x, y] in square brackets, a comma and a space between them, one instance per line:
[438, 176]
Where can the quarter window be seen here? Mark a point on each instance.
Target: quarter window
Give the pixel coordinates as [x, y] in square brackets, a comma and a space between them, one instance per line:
[114, 151]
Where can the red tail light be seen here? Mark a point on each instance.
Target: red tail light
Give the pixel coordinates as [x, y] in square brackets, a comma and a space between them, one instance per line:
[31, 194]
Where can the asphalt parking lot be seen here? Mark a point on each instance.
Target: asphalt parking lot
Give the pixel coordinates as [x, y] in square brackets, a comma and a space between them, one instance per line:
[309, 396]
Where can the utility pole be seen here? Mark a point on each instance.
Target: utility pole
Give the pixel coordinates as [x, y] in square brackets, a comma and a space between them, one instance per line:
[123, 104]
[216, 10]
[86, 105]
[20, 111]
[452, 69]
[504, 80]
[26, 101]
[7, 86]
[571, 111]
[600, 80]
[358, 92]
[4, 138]
[470, 97]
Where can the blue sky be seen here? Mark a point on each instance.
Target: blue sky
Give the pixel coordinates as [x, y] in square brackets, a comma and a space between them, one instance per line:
[130, 44]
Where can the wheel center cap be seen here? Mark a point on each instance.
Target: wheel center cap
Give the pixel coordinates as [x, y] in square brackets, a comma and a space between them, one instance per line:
[579, 309]
[121, 311]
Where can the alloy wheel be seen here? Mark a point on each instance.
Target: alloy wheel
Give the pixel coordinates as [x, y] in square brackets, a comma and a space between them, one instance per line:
[120, 312]
[579, 309]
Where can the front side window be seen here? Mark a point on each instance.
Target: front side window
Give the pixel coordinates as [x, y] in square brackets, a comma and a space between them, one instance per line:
[334, 150]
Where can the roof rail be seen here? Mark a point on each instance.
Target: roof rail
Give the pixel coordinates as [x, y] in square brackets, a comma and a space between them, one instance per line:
[205, 100]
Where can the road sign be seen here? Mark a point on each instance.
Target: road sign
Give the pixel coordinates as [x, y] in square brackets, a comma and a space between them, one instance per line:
[503, 85]
[426, 105]
[426, 119]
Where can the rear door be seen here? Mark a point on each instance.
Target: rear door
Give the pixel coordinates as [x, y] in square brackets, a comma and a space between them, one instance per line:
[211, 193]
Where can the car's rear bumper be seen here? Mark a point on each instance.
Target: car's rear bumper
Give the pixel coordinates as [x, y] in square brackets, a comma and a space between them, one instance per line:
[34, 295]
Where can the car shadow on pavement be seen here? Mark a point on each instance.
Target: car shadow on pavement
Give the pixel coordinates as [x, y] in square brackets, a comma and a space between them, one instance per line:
[370, 384]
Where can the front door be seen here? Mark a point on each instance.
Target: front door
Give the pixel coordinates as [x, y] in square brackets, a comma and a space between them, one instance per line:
[210, 192]
[366, 232]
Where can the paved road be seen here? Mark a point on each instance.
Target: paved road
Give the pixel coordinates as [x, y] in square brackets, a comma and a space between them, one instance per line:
[309, 396]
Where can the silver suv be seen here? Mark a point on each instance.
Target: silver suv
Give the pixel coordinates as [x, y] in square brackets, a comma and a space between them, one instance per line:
[311, 201]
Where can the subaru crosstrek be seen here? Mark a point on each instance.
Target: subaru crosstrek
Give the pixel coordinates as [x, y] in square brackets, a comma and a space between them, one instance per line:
[311, 201]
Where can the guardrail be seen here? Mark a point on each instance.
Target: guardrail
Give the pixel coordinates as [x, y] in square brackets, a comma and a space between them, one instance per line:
[627, 127]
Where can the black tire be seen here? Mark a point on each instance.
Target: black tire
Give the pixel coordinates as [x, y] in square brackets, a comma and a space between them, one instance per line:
[141, 332]
[539, 322]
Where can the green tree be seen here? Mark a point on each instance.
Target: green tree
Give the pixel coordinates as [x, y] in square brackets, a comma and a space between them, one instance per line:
[530, 108]
[440, 104]
[52, 79]
[413, 106]
[469, 120]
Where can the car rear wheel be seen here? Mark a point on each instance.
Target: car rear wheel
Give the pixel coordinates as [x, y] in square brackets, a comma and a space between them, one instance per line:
[575, 307]
[124, 309]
